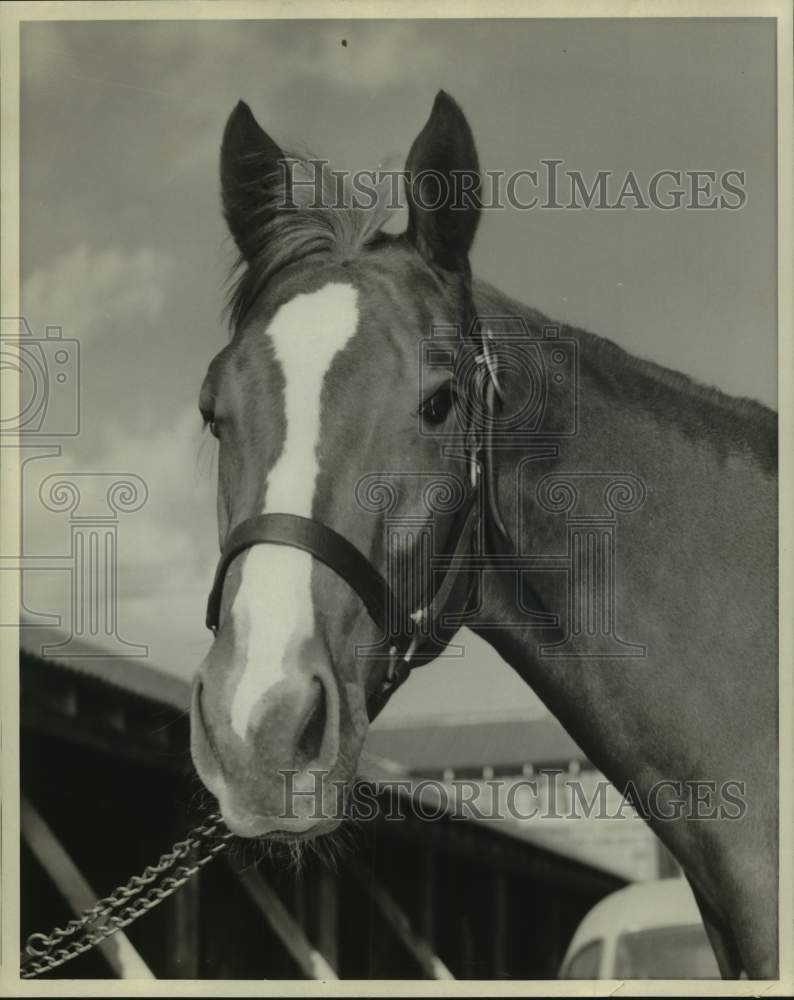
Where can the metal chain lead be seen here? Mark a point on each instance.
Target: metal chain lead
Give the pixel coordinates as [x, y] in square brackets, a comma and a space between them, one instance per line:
[126, 903]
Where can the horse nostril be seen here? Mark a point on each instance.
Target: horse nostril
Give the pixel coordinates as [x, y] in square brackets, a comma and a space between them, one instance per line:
[310, 739]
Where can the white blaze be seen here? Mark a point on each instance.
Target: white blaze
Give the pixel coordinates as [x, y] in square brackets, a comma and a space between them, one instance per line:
[272, 610]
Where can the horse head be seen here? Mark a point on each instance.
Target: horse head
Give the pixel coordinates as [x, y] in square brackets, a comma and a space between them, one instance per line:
[322, 383]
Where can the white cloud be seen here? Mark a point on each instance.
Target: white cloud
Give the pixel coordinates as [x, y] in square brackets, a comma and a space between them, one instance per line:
[86, 288]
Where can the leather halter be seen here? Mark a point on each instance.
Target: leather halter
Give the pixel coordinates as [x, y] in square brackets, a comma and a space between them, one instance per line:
[408, 648]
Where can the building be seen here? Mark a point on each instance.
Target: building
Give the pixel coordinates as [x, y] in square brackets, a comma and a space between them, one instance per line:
[532, 778]
[107, 787]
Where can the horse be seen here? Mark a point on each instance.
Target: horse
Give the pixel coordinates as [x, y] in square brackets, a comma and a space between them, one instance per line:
[332, 413]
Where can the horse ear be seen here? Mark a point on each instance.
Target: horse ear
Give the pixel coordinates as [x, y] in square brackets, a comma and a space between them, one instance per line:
[442, 187]
[253, 174]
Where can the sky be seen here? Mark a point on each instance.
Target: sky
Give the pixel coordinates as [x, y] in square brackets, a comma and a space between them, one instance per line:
[124, 246]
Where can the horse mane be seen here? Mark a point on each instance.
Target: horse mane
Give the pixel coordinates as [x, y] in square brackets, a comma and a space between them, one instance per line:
[698, 409]
[309, 218]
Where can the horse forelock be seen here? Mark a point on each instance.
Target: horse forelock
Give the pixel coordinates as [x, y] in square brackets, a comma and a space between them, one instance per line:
[292, 222]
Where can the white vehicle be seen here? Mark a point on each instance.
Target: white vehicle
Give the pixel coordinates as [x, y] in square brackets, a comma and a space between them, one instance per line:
[649, 930]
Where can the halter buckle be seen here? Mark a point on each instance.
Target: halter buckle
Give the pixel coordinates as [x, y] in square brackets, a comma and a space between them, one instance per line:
[399, 666]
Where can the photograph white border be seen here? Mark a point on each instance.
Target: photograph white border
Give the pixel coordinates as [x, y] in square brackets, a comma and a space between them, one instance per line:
[11, 16]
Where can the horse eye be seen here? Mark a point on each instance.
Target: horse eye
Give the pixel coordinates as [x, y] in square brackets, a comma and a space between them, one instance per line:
[210, 422]
[435, 410]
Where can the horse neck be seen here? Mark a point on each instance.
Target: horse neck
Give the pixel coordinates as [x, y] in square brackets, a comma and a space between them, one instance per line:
[699, 461]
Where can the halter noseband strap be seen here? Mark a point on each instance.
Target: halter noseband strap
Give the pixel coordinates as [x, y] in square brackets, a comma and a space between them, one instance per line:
[406, 649]
[318, 540]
